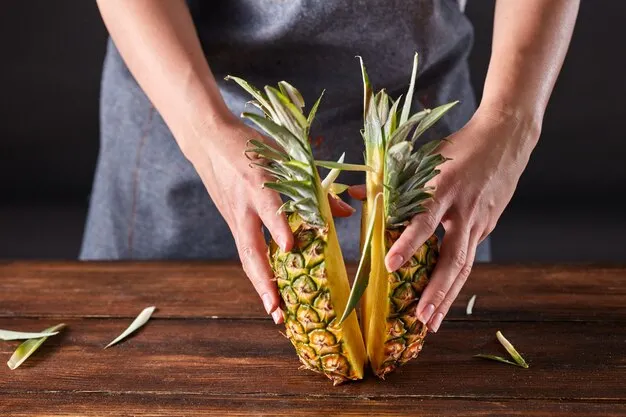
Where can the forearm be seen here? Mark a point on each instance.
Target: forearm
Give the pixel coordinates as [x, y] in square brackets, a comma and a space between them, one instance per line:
[158, 42]
[530, 41]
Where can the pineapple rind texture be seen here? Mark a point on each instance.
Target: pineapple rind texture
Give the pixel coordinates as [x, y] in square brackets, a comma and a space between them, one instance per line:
[310, 319]
[405, 334]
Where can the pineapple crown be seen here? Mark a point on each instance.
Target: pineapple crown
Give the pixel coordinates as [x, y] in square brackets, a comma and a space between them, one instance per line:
[292, 166]
[390, 137]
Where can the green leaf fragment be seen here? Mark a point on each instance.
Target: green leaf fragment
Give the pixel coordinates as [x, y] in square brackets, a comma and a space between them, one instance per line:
[29, 347]
[141, 319]
[12, 335]
[496, 358]
[343, 167]
[519, 361]
[512, 351]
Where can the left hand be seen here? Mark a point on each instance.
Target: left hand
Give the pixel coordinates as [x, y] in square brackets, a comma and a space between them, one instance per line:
[488, 156]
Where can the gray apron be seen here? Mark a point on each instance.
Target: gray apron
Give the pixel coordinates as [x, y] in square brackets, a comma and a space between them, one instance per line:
[148, 202]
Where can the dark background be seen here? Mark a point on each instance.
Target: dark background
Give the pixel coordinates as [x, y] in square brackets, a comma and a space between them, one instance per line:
[567, 207]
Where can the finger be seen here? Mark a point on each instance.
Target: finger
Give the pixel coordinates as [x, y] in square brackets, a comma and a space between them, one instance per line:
[253, 254]
[267, 205]
[458, 283]
[340, 208]
[452, 260]
[358, 192]
[422, 226]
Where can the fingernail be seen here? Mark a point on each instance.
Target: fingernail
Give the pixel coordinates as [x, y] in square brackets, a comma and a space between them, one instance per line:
[345, 205]
[282, 245]
[395, 262]
[277, 315]
[267, 302]
[436, 322]
[427, 313]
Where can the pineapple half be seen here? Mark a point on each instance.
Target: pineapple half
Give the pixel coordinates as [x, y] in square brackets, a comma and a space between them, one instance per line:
[311, 278]
[396, 191]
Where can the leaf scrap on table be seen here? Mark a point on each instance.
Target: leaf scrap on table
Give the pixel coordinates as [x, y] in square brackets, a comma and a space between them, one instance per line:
[517, 357]
[29, 347]
[14, 335]
[141, 319]
[470, 305]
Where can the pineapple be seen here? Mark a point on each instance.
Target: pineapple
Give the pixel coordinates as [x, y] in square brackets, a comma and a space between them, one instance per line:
[311, 278]
[396, 191]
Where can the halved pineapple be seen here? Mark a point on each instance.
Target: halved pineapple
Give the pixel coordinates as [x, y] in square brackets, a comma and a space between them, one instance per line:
[396, 191]
[312, 277]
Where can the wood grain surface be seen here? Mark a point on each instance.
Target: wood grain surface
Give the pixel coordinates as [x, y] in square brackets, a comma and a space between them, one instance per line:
[210, 349]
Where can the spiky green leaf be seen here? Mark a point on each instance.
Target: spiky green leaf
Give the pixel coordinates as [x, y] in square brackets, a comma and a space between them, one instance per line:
[287, 114]
[404, 129]
[291, 92]
[382, 105]
[392, 120]
[432, 118]
[258, 95]
[266, 151]
[282, 136]
[313, 112]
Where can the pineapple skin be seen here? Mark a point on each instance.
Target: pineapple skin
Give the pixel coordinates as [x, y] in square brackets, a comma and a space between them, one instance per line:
[404, 335]
[310, 305]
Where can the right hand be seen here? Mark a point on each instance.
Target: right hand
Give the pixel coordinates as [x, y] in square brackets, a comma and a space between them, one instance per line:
[236, 189]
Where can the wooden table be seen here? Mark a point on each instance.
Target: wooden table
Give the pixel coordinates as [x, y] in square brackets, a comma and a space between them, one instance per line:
[211, 350]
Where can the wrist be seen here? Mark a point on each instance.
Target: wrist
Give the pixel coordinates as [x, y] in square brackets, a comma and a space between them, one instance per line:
[200, 125]
[524, 121]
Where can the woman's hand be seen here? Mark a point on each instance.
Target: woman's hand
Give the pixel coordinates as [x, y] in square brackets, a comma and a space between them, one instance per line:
[236, 190]
[487, 158]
